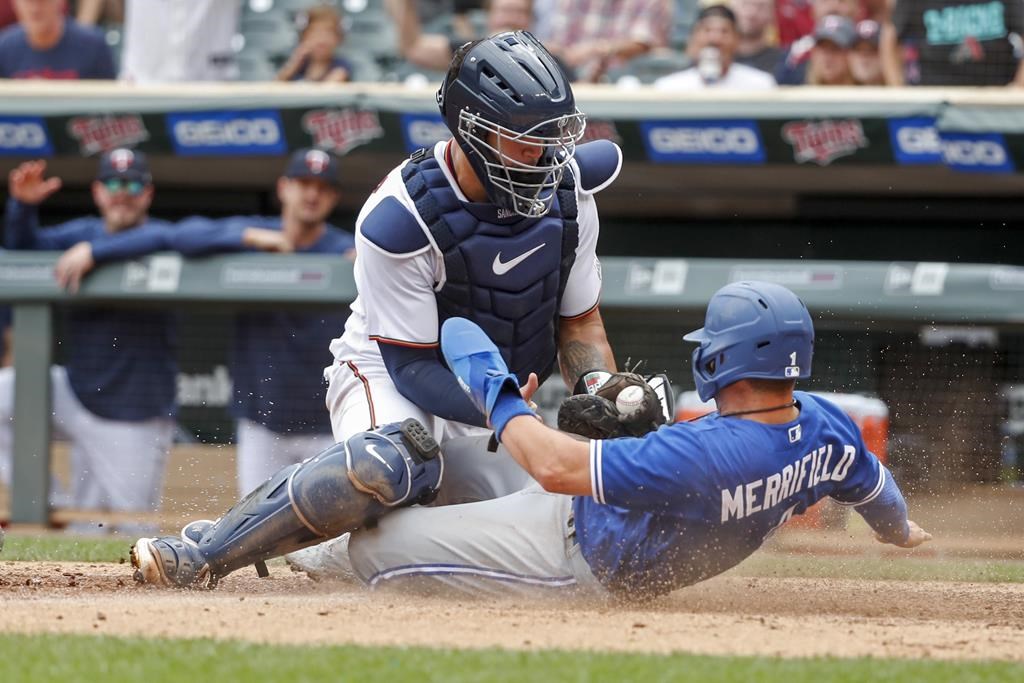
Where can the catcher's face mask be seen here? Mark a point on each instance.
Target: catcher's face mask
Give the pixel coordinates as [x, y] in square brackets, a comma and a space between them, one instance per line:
[523, 168]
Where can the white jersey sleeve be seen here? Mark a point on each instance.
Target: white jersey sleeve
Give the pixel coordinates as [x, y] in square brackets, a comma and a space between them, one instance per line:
[583, 289]
[397, 295]
[396, 286]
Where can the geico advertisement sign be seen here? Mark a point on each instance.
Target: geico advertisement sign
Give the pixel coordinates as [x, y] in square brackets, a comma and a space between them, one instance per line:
[24, 136]
[976, 152]
[423, 130]
[227, 133]
[703, 142]
[918, 141]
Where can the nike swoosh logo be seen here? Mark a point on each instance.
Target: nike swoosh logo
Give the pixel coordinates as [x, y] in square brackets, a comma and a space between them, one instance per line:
[500, 268]
[372, 450]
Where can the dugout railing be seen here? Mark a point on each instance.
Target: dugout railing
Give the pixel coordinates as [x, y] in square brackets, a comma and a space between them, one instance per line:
[898, 329]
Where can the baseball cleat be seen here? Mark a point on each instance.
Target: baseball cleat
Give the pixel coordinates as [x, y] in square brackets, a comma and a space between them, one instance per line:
[327, 561]
[475, 361]
[168, 561]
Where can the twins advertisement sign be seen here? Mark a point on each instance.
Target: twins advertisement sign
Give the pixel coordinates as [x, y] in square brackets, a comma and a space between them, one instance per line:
[98, 134]
[822, 142]
[342, 130]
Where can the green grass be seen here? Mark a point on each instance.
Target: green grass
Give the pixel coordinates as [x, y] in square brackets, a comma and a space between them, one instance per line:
[66, 659]
[54, 548]
[883, 568]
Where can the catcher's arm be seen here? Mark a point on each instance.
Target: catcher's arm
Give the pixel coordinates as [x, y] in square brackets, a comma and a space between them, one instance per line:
[583, 346]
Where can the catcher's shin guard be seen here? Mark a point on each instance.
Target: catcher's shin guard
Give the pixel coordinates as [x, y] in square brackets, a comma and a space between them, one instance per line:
[346, 487]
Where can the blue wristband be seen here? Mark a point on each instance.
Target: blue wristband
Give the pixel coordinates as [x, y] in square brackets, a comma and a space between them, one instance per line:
[507, 405]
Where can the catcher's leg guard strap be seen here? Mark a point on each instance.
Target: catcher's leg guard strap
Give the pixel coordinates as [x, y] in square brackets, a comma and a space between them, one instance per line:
[342, 489]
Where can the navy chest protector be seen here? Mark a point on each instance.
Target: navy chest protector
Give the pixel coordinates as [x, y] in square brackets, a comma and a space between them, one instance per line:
[507, 274]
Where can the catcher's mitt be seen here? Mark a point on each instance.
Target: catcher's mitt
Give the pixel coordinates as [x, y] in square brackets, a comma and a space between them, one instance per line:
[593, 412]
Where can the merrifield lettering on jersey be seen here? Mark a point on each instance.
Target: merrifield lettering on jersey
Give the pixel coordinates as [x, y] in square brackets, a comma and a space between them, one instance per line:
[763, 494]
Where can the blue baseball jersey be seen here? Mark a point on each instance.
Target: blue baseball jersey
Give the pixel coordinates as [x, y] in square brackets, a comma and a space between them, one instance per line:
[82, 52]
[693, 499]
[121, 363]
[277, 357]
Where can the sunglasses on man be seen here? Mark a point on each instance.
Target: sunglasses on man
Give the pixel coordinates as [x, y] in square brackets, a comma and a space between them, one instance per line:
[132, 187]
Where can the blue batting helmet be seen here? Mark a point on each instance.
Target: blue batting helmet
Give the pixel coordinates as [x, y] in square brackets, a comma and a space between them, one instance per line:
[509, 88]
[752, 330]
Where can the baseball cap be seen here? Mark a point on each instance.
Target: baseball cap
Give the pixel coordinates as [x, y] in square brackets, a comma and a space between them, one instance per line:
[124, 163]
[313, 163]
[867, 31]
[835, 29]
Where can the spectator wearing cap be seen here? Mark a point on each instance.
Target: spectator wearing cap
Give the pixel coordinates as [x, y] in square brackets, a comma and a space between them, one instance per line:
[320, 35]
[970, 42]
[792, 70]
[865, 61]
[114, 399]
[755, 24]
[47, 44]
[712, 46]
[829, 63]
[277, 356]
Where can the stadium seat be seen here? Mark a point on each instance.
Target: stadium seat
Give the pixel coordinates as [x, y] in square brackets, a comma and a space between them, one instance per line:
[684, 13]
[255, 65]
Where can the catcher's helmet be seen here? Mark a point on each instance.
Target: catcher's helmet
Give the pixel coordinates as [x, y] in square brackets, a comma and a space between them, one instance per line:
[508, 87]
[752, 330]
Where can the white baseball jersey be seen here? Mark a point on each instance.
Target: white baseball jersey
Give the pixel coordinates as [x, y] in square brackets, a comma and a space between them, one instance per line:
[168, 41]
[396, 291]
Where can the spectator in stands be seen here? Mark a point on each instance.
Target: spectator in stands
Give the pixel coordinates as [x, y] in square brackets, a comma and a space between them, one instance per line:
[115, 397]
[434, 51]
[320, 34]
[792, 70]
[46, 44]
[98, 12]
[865, 61]
[7, 16]
[970, 42]
[755, 23]
[172, 41]
[712, 46]
[278, 356]
[591, 36]
[794, 20]
[797, 18]
[829, 63]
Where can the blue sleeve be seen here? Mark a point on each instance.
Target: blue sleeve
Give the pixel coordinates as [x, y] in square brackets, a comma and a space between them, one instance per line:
[420, 377]
[133, 243]
[858, 475]
[21, 229]
[887, 512]
[665, 469]
[197, 235]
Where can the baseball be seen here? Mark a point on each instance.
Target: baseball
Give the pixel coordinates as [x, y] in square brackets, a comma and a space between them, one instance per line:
[629, 401]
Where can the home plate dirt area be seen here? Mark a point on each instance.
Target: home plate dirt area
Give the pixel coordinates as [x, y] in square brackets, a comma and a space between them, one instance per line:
[737, 615]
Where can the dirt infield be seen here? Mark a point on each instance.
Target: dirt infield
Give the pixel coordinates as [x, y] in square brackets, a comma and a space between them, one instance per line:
[727, 615]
